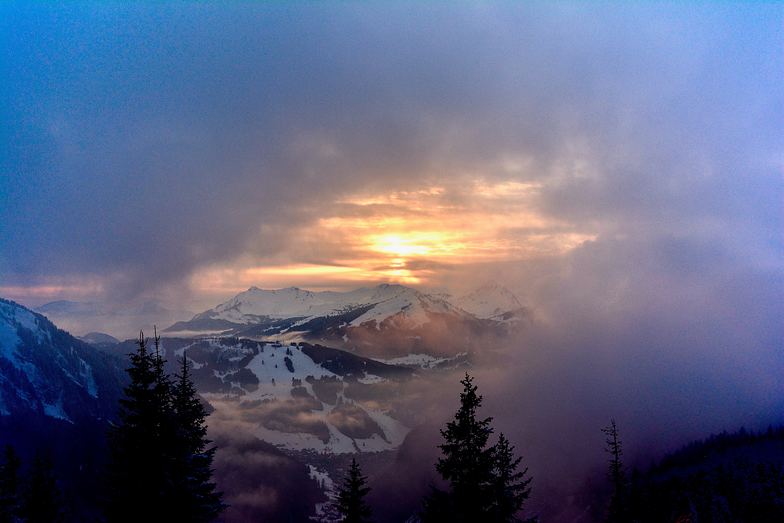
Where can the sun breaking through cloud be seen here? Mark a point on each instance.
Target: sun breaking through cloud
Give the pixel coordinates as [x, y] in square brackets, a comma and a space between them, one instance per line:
[408, 237]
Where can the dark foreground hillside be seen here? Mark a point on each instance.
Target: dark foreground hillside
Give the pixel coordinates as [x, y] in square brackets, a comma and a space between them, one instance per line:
[726, 478]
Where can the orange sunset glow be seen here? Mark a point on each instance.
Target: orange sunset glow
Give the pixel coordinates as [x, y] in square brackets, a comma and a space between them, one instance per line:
[401, 236]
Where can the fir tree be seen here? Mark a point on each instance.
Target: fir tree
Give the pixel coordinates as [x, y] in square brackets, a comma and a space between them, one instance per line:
[161, 464]
[510, 488]
[163, 390]
[466, 464]
[484, 481]
[9, 485]
[137, 477]
[43, 500]
[350, 501]
[195, 496]
[165, 427]
[617, 511]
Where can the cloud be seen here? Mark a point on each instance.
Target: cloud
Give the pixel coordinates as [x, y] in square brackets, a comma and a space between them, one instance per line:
[671, 337]
[148, 143]
[258, 479]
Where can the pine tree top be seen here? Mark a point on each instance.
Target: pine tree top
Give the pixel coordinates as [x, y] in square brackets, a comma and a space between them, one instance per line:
[484, 481]
[350, 502]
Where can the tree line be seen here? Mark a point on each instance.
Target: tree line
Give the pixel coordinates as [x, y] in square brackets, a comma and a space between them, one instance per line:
[727, 478]
[160, 469]
[161, 460]
[160, 463]
[34, 497]
[485, 482]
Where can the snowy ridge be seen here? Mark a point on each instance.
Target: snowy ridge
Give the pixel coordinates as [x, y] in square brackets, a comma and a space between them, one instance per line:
[384, 321]
[489, 301]
[295, 314]
[386, 300]
[48, 372]
[424, 361]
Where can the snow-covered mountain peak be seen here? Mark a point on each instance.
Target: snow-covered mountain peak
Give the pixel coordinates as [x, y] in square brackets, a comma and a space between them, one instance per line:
[381, 320]
[489, 300]
[373, 303]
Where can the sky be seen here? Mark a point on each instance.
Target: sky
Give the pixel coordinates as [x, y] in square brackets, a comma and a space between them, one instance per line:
[190, 150]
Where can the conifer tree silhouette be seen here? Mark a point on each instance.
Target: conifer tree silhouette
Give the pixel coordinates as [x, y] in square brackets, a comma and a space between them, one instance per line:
[466, 464]
[195, 495]
[484, 483]
[510, 488]
[350, 501]
[160, 467]
[135, 483]
[617, 511]
[9, 485]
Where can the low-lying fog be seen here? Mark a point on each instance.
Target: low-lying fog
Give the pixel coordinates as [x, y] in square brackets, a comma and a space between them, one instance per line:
[673, 343]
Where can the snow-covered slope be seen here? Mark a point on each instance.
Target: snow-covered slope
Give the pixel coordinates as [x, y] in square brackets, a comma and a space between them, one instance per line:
[295, 396]
[382, 321]
[491, 300]
[46, 371]
[376, 304]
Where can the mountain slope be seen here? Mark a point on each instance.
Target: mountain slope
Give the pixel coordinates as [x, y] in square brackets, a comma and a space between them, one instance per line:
[726, 477]
[491, 300]
[382, 321]
[256, 306]
[45, 371]
[296, 396]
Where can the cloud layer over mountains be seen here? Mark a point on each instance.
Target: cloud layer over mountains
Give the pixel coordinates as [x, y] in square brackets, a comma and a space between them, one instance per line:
[148, 144]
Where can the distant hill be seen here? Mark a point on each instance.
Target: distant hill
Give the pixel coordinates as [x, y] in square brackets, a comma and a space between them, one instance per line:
[99, 339]
[117, 319]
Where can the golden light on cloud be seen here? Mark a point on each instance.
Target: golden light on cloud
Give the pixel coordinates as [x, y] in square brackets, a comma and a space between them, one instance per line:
[408, 237]
[399, 246]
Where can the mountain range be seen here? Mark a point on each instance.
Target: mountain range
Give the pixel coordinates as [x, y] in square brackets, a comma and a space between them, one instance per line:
[46, 373]
[384, 321]
[121, 320]
[318, 375]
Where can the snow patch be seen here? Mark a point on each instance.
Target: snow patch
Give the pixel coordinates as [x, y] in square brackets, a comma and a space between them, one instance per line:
[55, 410]
[424, 361]
[326, 484]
